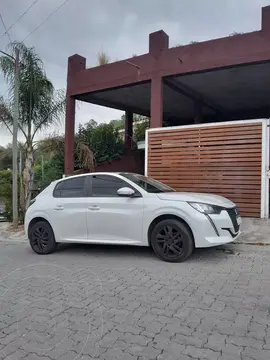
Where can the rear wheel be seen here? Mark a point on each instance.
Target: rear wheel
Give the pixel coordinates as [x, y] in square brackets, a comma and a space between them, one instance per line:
[41, 238]
[172, 240]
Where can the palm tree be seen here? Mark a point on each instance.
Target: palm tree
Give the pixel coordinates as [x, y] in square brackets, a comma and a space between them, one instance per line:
[40, 106]
[103, 58]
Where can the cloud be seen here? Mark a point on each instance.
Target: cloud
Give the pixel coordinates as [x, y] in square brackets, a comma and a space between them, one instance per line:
[120, 28]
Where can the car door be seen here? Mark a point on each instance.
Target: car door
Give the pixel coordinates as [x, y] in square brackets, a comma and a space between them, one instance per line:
[69, 209]
[110, 217]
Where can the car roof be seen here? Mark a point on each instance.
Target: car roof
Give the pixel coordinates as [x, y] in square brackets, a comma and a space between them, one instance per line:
[96, 173]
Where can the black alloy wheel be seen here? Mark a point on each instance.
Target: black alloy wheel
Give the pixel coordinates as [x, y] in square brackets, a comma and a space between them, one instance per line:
[41, 238]
[172, 240]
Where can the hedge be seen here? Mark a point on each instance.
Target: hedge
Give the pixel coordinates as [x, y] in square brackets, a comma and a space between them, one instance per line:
[6, 194]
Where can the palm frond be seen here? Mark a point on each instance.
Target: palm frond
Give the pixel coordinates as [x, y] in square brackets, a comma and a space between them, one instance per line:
[6, 118]
[7, 67]
[51, 111]
[39, 104]
[51, 145]
[86, 157]
[103, 58]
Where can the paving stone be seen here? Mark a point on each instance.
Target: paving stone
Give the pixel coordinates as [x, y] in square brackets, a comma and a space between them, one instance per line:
[198, 353]
[256, 354]
[245, 341]
[132, 307]
[216, 341]
[189, 340]
[232, 350]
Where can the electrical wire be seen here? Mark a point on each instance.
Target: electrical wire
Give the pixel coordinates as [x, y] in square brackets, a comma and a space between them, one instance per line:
[6, 30]
[47, 18]
[19, 18]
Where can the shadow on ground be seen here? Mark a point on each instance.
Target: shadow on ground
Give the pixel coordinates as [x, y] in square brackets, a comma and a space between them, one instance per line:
[115, 251]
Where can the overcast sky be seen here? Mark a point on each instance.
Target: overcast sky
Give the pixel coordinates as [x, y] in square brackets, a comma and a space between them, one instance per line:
[120, 28]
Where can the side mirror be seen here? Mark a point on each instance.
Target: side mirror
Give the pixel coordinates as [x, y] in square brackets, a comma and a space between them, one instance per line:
[125, 191]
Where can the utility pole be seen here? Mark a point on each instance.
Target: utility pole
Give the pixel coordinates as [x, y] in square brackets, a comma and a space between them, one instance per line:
[15, 139]
[21, 180]
[42, 168]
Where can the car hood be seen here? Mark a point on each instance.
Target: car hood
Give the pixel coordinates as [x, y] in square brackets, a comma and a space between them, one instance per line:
[197, 197]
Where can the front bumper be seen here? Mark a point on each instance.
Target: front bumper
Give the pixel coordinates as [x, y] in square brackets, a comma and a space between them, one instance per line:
[220, 240]
[219, 229]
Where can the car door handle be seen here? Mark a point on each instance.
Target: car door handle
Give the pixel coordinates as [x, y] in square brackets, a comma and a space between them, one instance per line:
[59, 207]
[93, 207]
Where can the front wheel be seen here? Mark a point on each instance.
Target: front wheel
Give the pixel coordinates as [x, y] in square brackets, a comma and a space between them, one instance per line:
[172, 240]
[41, 238]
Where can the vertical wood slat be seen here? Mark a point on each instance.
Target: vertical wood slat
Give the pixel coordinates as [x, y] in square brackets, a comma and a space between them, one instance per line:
[221, 159]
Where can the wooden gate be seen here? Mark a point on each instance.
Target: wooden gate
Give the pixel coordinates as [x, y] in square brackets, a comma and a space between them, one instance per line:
[221, 158]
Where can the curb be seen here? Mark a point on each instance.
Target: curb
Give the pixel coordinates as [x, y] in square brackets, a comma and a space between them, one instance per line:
[251, 243]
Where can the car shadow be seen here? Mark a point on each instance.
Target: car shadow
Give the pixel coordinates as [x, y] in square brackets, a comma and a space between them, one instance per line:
[214, 254]
[106, 250]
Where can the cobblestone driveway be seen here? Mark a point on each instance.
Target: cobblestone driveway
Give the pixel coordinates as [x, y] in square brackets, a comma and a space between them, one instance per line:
[123, 303]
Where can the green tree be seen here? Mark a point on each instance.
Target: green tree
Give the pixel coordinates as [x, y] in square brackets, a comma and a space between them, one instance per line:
[6, 155]
[6, 194]
[140, 124]
[104, 140]
[6, 191]
[5, 158]
[40, 106]
[52, 151]
[118, 123]
[140, 129]
[49, 171]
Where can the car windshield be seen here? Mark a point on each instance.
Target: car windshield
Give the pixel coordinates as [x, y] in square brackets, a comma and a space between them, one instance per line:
[148, 184]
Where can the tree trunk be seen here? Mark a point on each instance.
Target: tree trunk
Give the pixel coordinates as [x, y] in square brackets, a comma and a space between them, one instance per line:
[28, 174]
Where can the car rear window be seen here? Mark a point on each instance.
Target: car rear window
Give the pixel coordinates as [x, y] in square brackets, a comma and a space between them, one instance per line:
[69, 188]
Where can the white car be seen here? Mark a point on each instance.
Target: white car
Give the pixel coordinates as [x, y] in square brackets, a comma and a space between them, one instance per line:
[129, 209]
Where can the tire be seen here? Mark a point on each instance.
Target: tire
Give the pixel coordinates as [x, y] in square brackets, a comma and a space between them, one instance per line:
[172, 240]
[41, 238]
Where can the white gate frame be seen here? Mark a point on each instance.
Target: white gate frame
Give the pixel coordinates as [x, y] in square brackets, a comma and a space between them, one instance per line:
[265, 166]
[265, 169]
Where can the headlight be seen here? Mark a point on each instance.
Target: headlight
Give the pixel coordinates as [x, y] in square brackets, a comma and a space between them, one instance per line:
[206, 208]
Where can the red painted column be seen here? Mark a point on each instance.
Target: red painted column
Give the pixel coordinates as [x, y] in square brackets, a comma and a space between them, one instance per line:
[266, 19]
[69, 135]
[128, 130]
[76, 63]
[156, 116]
[158, 44]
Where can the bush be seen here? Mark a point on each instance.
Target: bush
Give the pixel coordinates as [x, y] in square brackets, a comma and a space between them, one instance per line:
[6, 195]
[51, 171]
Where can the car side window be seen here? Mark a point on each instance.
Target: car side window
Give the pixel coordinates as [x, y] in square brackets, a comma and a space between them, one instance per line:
[70, 188]
[107, 186]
